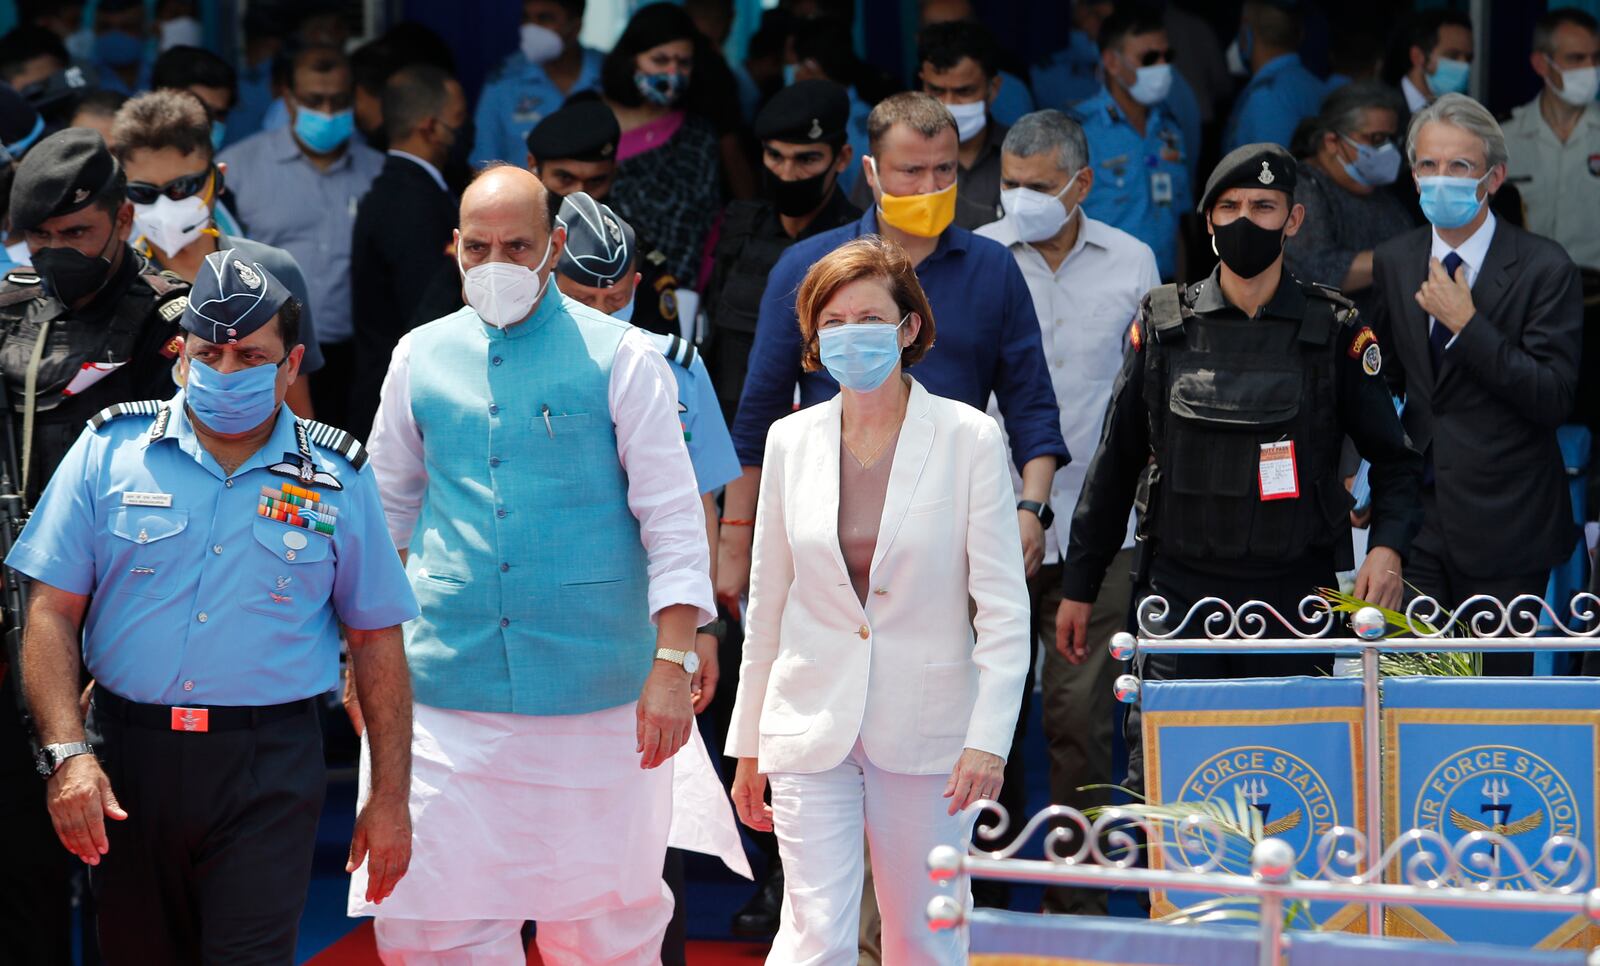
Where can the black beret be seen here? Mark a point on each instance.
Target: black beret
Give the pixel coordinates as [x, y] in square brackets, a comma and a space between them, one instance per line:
[20, 125]
[231, 298]
[582, 130]
[63, 173]
[805, 111]
[1263, 165]
[600, 244]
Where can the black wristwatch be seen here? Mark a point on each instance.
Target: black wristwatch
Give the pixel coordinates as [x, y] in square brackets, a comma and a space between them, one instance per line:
[1046, 515]
[716, 628]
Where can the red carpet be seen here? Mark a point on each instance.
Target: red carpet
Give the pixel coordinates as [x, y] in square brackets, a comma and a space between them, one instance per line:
[357, 949]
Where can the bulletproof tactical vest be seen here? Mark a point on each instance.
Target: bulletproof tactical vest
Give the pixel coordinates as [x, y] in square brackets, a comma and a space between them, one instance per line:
[739, 303]
[1216, 391]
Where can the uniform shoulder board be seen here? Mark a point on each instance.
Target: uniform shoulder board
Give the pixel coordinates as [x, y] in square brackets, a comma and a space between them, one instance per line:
[1341, 302]
[163, 282]
[680, 351]
[142, 407]
[1167, 311]
[341, 442]
[656, 257]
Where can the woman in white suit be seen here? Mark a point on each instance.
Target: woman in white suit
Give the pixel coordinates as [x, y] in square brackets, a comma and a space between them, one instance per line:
[869, 694]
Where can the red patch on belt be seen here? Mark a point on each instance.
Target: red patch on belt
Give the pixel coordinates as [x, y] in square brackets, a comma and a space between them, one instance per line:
[1359, 344]
[191, 719]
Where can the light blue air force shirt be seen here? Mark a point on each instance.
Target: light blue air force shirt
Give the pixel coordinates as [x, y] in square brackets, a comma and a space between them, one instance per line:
[196, 598]
[705, 432]
[517, 98]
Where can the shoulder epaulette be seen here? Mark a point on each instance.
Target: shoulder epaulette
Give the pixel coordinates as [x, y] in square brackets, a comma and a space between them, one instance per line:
[341, 442]
[1167, 311]
[141, 407]
[1343, 308]
[680, 351]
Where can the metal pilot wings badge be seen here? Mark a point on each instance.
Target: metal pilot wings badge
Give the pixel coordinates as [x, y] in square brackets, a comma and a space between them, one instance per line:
[299, 466]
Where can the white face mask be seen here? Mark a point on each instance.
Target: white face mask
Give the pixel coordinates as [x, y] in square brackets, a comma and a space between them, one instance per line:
[504, 293]
[970, 119]
[171, 225]
[1036, 215]
[1578, 86]
[1151, 84]
[541, 44]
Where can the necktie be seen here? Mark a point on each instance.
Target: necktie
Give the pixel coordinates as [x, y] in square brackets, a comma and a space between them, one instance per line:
[1438, 336]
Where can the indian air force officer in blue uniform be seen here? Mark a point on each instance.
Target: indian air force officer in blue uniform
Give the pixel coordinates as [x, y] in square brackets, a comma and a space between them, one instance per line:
[1281, 91]
[208, 548]
[548, 66]
[1136, 147]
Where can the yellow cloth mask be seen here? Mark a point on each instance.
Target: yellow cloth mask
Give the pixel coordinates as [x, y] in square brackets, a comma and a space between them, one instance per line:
[926, 216]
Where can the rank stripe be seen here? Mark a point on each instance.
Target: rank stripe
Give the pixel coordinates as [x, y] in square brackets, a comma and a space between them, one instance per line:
[140, 407]
[341, 442]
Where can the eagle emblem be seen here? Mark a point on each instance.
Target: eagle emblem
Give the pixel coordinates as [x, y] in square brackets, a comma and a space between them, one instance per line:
[1467, 823]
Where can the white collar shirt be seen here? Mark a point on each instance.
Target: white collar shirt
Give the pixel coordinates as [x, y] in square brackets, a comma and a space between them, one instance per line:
[1085, 308]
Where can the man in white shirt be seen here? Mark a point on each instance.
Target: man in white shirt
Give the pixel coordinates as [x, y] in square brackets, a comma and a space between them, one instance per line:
[533, 471]
[1086, 279]
[1554, 139]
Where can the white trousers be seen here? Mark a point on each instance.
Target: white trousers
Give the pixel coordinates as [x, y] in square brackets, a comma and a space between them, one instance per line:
[630, 936]
[819, 819]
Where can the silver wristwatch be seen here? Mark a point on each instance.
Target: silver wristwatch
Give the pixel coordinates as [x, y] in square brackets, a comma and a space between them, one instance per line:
[52, 757]
[688, 659]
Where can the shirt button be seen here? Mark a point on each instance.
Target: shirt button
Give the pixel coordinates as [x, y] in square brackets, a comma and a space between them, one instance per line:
[217, 548]
[500, 512]
[881, 592]
[495, 361]
[228, 484]
[494, 410]
[864, 632]
[505, 567]
[202, 618]
[494, 461]
[188, 685]
[505, 622]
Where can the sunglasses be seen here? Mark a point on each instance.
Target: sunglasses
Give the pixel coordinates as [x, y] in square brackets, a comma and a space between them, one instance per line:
[187, 186]
[1154, 57]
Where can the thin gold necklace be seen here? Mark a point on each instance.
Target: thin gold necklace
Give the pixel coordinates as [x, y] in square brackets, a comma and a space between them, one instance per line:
[865, 463]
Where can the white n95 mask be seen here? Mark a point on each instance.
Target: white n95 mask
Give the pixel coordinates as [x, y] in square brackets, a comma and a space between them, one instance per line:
[503, 293]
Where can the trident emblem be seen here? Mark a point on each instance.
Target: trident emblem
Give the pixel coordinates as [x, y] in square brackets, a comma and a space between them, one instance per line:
[1495, 789]
[1254, 790]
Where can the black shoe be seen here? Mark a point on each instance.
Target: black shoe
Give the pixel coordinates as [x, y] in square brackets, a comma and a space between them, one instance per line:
[759, 917]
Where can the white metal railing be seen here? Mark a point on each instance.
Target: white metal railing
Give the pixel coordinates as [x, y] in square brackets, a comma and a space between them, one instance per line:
[1104, 853]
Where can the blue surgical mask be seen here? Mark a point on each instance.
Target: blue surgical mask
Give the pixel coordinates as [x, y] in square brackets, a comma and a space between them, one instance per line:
[1449, 202]
[219, 132]
[788, 74]
[323, 133]
[118, 48]
[234, 402]
[625, 313]
[860, 357]
[1373, 166]
[661, 89]
[1449, 77]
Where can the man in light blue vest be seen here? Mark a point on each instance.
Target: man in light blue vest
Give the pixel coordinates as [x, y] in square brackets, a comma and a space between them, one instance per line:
[533, 470]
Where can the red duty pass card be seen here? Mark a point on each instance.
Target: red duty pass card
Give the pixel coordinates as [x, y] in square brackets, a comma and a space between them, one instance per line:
[1279, 480]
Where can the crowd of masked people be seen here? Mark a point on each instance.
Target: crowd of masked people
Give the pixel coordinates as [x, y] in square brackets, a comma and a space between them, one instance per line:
[699, 197]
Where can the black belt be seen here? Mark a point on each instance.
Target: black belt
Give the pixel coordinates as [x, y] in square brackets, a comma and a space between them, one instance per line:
[194, 717]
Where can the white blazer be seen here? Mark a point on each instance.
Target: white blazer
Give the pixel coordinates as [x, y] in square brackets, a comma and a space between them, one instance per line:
[902, 673]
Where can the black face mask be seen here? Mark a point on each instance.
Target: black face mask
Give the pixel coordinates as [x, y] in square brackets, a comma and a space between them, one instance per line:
[796, 198]
[461, 147]
[70, 275]
[1245, 247]
[554, 201]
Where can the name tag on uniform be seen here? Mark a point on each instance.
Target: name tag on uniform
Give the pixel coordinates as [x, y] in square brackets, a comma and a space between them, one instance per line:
[1161, 187]
[146, 499]
[1279, 481]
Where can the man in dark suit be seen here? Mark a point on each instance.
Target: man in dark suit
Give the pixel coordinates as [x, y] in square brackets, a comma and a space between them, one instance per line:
[1484, 322]
[404, 224]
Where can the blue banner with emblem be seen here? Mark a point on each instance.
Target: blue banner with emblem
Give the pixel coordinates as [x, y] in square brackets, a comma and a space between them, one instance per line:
[1516, 757]
[1288, 748]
